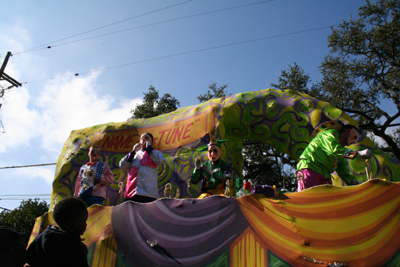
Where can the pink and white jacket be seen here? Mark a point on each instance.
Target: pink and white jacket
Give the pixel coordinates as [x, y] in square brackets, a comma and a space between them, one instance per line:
[143, 172]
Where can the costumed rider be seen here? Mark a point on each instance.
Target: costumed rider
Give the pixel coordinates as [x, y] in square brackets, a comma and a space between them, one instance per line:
[214, 173]
[142, 163]
[93, 178]
[327, 153]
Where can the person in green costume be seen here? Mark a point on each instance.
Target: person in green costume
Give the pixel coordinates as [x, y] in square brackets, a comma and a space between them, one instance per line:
[214, 173]
[327, 153]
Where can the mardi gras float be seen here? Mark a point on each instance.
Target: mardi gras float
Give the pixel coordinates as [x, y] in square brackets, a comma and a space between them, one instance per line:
[321, 226]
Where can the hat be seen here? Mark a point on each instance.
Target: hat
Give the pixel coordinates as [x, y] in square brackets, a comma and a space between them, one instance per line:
[213, 142]
[325, 126]
[8, 237]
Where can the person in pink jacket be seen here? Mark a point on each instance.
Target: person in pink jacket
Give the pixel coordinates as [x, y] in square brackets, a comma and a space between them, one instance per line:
[93, 178]
[142, 163]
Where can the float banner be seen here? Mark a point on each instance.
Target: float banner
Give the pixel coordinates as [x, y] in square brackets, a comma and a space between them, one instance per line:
[167, 136]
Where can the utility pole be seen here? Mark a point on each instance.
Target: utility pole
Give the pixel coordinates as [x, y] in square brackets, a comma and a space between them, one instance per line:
[6, 77]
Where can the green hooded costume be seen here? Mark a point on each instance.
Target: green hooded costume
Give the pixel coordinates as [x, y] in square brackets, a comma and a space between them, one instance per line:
[325, 154]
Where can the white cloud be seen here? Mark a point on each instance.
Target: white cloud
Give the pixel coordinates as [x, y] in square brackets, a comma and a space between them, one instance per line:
[62, 106]
[44, 122]
[73, 103]
[38, 173]
[20, 123]
[39, 116]
[14, 36]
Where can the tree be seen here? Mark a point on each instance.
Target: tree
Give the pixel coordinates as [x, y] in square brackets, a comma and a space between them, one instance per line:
[395, 135]
[216, 92]
[295, 79]
[23, 218]
[153, 105]
[263, 164]
[364, 68]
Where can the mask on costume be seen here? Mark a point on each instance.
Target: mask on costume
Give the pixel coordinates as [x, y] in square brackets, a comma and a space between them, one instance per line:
[214, 149]
[214, 153]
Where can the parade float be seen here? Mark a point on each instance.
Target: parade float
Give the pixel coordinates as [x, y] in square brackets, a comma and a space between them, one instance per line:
[322, 226]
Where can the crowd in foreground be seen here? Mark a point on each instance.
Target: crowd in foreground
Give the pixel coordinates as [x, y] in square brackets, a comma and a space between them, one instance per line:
[57, 246]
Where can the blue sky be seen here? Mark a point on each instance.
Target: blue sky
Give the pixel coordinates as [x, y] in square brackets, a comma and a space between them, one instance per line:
[179, 47]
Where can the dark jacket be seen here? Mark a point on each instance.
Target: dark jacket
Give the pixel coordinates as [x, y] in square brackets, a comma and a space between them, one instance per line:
[55, 247]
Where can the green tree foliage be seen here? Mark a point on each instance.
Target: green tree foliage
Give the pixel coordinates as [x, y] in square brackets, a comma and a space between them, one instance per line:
[216, 92]
[153, 105]
[23, 218]
[342, 88]
[295, 79]
[364, 68]
[263, 164]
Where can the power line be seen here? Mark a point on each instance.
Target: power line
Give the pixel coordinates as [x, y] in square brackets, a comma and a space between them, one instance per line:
[148, 25]
[46, 198]
[105, 26]
[26, 166]
[25, 195]
[184, 53]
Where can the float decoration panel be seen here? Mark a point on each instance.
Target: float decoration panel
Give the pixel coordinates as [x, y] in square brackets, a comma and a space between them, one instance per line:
[353, 226]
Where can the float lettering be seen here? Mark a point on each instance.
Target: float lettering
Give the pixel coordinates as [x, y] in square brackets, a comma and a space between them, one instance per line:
[173, 136]
[119, 142]
[166, 136]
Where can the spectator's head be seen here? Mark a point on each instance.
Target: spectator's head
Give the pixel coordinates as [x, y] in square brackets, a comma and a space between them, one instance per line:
[94, 153]
[348, 135]
[71, 214]
[12, 247]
